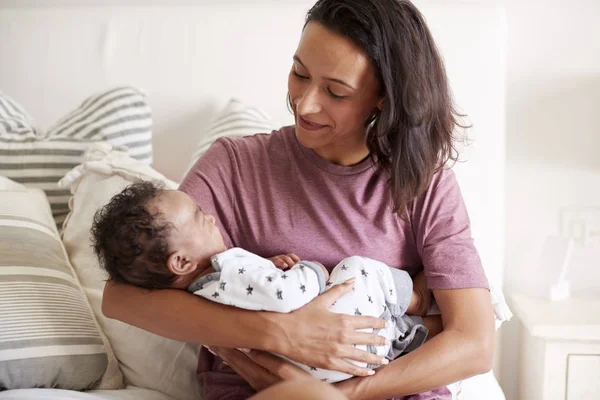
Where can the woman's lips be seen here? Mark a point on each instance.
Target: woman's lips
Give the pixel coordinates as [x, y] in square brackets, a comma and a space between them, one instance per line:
[309, 126]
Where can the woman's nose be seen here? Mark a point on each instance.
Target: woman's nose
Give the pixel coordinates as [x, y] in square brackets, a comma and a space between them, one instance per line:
[309, 103]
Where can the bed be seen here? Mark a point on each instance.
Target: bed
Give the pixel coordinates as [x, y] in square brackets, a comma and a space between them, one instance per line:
[190, 58]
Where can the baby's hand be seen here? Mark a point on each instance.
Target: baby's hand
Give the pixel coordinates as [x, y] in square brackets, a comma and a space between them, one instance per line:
[285, 261]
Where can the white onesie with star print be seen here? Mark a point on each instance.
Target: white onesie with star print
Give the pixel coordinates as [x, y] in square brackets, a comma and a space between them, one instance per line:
[246, 280]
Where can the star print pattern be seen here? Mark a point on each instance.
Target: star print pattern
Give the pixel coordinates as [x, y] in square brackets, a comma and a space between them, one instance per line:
[245, 280]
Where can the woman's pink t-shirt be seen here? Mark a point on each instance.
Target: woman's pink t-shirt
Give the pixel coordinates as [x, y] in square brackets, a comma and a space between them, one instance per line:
[270, 195]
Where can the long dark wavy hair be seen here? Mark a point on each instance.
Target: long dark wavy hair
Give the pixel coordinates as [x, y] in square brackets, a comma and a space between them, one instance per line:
[413, 136]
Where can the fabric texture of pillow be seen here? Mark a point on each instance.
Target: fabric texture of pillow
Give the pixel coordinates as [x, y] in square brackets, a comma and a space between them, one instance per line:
[147, 360]
[7, 184]
[48, 334]
[119, 116]
[235, 120]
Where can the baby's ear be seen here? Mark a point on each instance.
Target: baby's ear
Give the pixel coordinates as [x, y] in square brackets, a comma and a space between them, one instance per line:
[179, 264]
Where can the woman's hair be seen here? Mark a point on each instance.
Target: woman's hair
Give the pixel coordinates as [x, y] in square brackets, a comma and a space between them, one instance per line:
[413, 135]
[130, 242]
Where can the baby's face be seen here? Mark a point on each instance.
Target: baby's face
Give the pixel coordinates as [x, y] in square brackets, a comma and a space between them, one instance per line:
[195, 233]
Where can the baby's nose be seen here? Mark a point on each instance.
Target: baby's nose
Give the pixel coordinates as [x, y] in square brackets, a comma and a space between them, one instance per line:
[210, 219]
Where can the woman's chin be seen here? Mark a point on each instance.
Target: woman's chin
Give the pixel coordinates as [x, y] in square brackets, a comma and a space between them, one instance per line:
[304, 139]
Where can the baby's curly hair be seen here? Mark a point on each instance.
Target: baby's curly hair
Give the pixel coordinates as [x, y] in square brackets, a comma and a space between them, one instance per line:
[130, 242]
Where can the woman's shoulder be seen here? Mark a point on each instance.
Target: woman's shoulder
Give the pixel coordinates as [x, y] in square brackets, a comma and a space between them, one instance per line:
[255, 143]
[443, 178]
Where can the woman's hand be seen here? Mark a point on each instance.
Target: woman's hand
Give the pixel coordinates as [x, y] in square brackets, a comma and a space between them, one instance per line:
[313, 335]
[285, 261]
[258, 368]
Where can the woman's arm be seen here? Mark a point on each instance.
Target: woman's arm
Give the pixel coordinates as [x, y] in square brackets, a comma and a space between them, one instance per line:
[464, 348]
[310, 335]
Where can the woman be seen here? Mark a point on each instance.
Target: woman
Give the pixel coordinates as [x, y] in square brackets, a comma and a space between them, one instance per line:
[360, 172]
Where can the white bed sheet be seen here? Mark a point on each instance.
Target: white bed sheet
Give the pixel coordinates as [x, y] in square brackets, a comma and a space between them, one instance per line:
[482, 386]
[130, 393]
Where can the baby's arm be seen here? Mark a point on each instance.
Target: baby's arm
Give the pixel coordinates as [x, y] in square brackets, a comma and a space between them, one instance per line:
[413, 296]
[254, 283]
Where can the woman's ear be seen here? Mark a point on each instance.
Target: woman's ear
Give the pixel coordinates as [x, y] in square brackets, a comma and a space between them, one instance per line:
[179, 264]
[380, 103]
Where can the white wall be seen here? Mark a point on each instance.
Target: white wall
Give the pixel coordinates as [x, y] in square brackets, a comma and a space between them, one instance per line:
[553, 137]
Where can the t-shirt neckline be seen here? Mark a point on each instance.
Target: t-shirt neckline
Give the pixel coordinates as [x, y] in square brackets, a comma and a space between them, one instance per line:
[325, 165]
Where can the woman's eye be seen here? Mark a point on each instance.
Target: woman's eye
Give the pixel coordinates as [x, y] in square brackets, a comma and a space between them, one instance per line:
[297, 75]
[335, 96]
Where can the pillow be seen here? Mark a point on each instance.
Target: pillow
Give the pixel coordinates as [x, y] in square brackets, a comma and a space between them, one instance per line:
[147, 360]
[119, 116]
[7, 184]
[48, 335]
[235, 120]
[13, 118]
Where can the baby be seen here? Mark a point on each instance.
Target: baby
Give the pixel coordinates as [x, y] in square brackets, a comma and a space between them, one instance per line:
[156, 238]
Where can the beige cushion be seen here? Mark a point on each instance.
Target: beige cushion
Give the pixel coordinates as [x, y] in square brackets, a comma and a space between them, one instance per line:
[147, 360]
[48, 335]
[235, 120]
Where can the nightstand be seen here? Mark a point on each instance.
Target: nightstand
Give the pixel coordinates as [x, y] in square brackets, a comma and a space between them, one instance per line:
[560, 348]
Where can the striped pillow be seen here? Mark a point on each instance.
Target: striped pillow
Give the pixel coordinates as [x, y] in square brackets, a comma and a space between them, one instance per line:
[236, 120]
[120, 116]
[48, 335]
[13, 118]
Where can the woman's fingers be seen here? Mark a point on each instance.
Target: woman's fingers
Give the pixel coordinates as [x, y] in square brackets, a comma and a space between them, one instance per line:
[324, 339]
[329, 297]
[364, 338]
[353, 353]
[258, 377]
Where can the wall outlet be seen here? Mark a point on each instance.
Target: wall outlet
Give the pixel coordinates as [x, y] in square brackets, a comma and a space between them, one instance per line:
[582, 224]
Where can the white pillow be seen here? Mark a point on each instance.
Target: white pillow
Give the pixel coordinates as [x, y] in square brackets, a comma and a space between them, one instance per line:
[235, 120]
[147, 360]
[7, 184]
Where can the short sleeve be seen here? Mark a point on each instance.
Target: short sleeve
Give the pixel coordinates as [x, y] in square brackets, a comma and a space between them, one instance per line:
[208, 182]
[443, 236]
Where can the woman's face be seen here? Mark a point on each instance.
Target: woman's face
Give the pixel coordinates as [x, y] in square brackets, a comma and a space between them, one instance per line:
[334, 90]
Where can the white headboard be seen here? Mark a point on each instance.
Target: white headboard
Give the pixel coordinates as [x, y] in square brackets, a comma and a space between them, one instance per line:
[190, 59]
